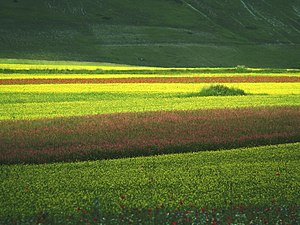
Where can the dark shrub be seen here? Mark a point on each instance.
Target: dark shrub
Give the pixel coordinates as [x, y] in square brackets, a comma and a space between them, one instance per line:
[220, 90]
[241, 69]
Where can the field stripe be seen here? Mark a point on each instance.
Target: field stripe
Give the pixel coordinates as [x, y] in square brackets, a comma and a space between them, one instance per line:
[40, 107]
[247, 176]
[253, 88]
[46, 75]
[227, 79]
[133, 134]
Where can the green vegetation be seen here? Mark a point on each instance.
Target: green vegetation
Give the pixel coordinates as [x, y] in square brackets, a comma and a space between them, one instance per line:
[220, 90]
[15, 66]
[209, 33]
[253, 177]
[32, 101]
[146, 88]
[50, 112]
[56, 108]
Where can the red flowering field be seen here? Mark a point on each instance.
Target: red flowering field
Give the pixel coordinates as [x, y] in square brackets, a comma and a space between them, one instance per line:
[148, 133]
[227, 79]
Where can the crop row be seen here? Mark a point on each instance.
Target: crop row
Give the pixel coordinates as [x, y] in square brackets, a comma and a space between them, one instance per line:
[253, 177]
[33, 68]
[50, 105]
[119, 69]
[134, 75]
[227, 79]
[251, 88]
[27, 97]
[134, 134]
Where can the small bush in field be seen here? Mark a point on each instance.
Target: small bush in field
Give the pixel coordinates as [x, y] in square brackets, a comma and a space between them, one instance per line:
[220, 90]
[241, 68]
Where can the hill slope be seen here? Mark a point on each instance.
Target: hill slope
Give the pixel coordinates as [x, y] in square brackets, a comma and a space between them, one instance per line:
[262, 33]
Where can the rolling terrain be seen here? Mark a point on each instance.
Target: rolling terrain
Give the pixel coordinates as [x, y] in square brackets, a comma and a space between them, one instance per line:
[170, 33]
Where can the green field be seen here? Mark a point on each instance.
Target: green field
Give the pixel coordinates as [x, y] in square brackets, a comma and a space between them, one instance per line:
[31, 101]
[207, 179]
[221, 168]
[51, 100]
[138, 103]
[209, 33]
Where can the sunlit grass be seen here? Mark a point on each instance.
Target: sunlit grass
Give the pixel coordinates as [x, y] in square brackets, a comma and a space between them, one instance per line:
[76, 108]
[25, 64]
[253, 88]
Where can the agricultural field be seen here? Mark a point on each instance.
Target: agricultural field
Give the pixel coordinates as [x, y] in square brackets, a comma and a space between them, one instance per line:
[99, 143]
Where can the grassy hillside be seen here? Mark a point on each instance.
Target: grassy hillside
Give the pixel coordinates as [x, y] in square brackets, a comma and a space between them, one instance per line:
[153, 32]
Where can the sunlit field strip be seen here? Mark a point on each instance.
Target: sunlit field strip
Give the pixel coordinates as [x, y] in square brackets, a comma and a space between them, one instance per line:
[104, 66]
[90, 76]
[75, 67]
[20, 111]
[253, 88]
[42, 63]
[151, 133]
[249, 176]
[16, 64]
